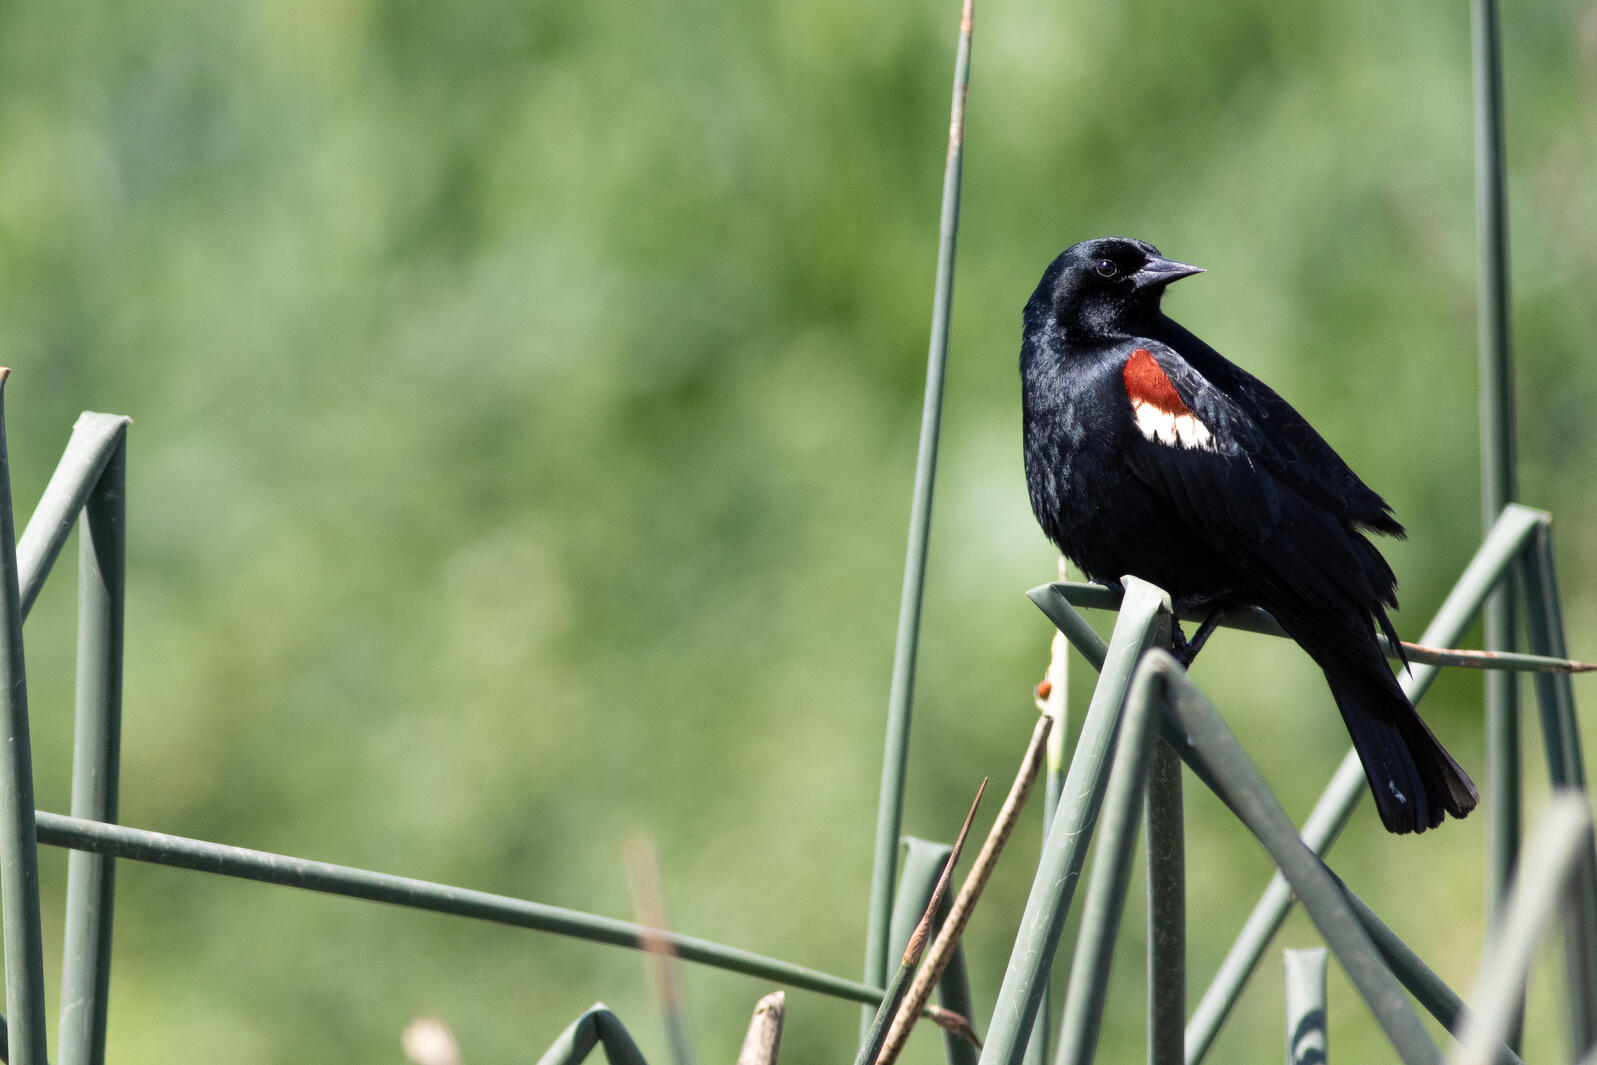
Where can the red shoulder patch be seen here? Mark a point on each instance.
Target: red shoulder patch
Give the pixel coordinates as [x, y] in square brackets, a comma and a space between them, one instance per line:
[1156, 407]
[1147, 383]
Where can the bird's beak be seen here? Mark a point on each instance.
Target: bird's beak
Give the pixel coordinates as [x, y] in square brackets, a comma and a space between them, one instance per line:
[1159, 271]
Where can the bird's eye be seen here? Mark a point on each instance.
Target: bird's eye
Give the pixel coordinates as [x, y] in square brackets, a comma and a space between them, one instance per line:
[1107, 268]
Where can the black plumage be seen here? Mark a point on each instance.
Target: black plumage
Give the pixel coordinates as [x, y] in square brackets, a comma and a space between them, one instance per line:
[1149, 454]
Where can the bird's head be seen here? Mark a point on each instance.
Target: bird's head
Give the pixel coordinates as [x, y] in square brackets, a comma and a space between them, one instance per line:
[1104, 287]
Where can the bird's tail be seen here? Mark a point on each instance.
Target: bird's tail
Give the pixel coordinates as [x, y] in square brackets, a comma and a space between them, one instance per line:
[1414, 780]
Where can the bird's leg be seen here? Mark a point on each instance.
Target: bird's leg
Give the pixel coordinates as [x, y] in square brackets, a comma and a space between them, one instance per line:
[1186, 650]
[1178, 644]
[1205, 630]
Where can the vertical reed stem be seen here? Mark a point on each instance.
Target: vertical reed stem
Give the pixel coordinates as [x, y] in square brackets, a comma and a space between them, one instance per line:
[890, 808]
[19, 855]
[1498, 474]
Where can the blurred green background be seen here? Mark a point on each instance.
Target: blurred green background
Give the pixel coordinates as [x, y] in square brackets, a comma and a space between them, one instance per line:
[526, 399]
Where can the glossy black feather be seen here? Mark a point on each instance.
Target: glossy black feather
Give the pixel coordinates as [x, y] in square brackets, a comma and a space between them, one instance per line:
[1216, 490]
[1333, 483]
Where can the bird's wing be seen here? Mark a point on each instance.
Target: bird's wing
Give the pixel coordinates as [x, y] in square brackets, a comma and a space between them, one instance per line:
[1222, 474]
[1198, 448]
[1323, 474]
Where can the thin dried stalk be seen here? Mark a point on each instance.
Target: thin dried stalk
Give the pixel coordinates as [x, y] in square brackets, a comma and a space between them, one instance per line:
[959, 914]
[871, 1046]
[648, 902]
[765, 1031]
[1503, 660]
[952, 1021]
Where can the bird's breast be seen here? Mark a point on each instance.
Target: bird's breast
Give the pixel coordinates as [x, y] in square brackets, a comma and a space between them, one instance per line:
[1074, 428]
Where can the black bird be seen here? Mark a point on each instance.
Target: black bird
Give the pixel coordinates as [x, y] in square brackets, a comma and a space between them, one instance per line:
[1149, 454]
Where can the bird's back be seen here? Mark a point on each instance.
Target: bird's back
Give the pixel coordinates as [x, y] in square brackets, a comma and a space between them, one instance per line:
[1323, 472]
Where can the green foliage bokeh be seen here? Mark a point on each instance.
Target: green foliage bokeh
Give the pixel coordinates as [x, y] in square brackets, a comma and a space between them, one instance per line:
[526, 399]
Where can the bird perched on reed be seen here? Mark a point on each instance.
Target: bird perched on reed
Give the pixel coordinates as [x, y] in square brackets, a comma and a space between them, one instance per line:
[1149, 454]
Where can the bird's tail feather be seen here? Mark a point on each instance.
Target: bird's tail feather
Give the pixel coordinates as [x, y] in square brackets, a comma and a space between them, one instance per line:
[1416, 783]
